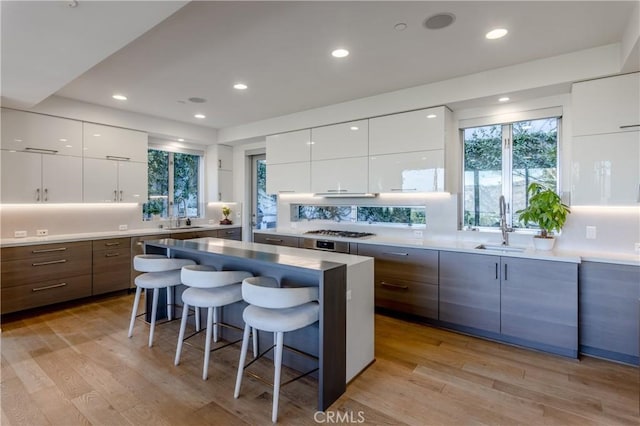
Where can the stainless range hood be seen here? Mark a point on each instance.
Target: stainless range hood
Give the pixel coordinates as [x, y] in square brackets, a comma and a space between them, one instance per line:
[340, 194]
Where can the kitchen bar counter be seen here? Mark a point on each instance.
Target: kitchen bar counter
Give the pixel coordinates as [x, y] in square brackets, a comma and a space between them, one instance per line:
[343, 339]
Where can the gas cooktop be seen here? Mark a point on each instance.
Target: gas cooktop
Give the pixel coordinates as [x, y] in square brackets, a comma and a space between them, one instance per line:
[345, 234]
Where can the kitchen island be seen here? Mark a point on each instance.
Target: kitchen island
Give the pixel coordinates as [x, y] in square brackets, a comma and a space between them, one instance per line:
[343, 338]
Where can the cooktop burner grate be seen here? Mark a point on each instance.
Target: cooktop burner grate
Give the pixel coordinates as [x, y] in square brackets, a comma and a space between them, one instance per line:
[345, 234]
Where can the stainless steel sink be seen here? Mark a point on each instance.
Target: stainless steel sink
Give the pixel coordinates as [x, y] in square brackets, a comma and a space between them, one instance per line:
[500, 248]
[183, 227]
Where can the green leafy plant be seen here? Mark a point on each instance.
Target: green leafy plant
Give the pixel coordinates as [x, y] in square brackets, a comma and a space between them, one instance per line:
[226, 211]
[545, 209]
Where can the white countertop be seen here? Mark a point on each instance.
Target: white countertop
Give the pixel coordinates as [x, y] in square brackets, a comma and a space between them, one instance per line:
[64, 238]
[470, 247]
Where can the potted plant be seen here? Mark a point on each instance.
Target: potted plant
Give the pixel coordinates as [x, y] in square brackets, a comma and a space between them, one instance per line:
[547, 211]
[226, 211]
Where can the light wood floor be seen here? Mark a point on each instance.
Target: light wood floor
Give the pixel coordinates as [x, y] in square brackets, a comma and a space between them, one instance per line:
[76, 366]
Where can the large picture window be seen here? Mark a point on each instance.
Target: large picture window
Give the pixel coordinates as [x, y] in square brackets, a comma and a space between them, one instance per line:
[504, 160]
[174, 185]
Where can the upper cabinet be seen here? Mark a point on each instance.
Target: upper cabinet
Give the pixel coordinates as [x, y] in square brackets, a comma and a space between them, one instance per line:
[289, 162]
[225, 157]
[114, 143]
[345, 140]
[408, 131]
[31, 132]
[407, 172]
[607, 105]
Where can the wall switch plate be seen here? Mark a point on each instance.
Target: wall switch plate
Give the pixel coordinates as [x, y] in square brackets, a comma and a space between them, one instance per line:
[417, 234]
[636, 247]
[122, 227]
[20, 234]
[212, 222]
[348, 294]
[42, 232]
[591, 232]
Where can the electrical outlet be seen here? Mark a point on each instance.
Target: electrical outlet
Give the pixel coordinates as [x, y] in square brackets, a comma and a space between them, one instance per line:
[417, 234]
[591, 232]
[122, 227]
[636, 247]
[20, 234]
[42, 232]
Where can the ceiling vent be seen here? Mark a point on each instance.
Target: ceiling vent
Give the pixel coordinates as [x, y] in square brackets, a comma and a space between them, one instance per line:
[439, 21]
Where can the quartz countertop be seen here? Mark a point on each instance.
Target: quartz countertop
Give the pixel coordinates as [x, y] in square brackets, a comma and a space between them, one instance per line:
[574, 256]
[64, 238]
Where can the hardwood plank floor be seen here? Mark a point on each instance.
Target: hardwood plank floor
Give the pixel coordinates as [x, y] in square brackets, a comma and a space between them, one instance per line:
[76, 366]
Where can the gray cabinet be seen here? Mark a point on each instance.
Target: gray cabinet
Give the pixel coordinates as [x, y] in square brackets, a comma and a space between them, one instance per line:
[275, 240]
[406, 279]
[540, 304]
[609, 296]
[470, 290]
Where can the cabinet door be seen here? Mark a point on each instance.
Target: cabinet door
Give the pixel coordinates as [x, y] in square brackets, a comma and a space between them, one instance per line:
[606, 105]
[291, 177]
[132, 182]
[230, 234]
[111, 269]
[340, 140]
[540, 302]
[289, 147]
[30, 131]
[106, 141]
[407, 132]
[341, 176]
[608, 298]
[470, 290]
[606, 169]
[61, 179]
[21, 177]
[225, 185]
[100, 181]
[225, 157]
[410, 172]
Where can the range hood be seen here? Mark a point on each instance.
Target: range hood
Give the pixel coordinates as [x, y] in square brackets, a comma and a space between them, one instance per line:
[337, 194]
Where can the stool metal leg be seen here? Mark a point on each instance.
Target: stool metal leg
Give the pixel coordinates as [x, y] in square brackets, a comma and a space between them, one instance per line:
[254, 333]
[276, 376]
[215, 324]
[183, 327]
[169, 302]
[243, 358]
[154, 311]
[207, 345]
[134, 310]
[197, 315]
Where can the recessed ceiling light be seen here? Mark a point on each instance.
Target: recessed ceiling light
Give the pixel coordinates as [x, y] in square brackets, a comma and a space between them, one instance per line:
[180, 140]
[240, 86]
[119, 97]
[354, 128]
[431, 116]
[497, 33]
[400, 26]
[62, 140]
[439, 21]
[200, 116]
[68, 146]
[97, 135]
[197, 100]
[503, 99]
[18, 140]
[340, 53]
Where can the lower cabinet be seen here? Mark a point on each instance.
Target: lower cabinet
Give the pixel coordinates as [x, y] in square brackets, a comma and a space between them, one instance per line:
[275, 240]
[39, 275]
[230, 234]
[406, 279]
[609, 295]
[111, 265]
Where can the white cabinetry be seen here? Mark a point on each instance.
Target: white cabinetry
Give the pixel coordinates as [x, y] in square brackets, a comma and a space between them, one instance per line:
[289, 162]
[340, 176]
[343, 140]
[606, 169]
[114, 143]
[606, 105]
[225, 173]
[411, 131]
[421, 171]
[108, 181]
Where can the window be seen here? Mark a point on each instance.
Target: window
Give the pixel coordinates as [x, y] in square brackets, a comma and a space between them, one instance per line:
[379, 215]
[265, 206]
[504, 160]
[174, 185]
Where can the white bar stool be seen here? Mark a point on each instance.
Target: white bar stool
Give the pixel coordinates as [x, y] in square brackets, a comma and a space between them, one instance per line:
[209, 289]
[275, 309]
[159, 272]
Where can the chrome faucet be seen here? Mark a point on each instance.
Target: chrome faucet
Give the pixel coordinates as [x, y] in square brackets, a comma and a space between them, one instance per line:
[503, 221]
[177, 214]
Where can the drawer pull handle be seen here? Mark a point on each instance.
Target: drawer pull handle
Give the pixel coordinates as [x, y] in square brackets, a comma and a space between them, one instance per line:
[337, 190]
[49, 250]
[274, 240]
[112, 254]
[229, 232]
[403, 189]
[52, 262]
[394, 286]
[396, 253]
[629, 126]
[111, 244]
[115, 157]
[140, 243]
[48, 151]
[49, 287]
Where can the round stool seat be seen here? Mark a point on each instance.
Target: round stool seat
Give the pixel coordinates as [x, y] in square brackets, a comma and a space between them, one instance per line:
[288, 319]
[212, 297]
[158, 279]
[203, 276]
[266, 293]
[158, 263]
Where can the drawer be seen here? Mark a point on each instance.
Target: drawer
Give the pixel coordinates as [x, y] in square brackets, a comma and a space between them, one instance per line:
[403, 263]
[185, 235]
[69, 263]
[110, 244]
[44, 250]
[45, 293]
[111, 270]
[277, 240]
[230, 234]
[406, 296]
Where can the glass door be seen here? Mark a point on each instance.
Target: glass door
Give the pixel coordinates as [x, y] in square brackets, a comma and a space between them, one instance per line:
[264, 207]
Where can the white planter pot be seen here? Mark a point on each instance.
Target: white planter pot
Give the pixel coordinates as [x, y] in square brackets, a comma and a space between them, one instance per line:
[543, 243]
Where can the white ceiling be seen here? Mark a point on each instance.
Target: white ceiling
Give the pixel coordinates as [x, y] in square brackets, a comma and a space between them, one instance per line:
[282, 51]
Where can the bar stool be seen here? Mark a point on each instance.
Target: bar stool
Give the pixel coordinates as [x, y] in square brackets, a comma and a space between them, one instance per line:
[209, 289]
[275, 309]
[159, 272]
